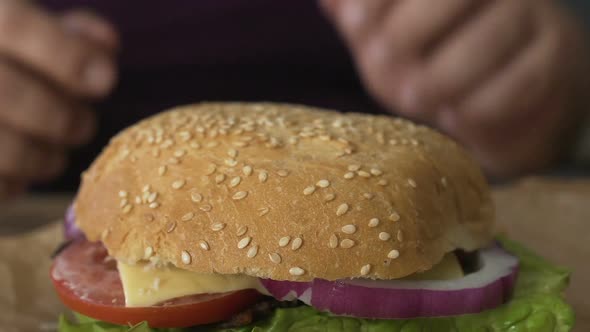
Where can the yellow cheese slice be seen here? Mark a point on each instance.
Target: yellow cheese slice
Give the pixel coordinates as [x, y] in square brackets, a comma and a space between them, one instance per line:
[145, 285]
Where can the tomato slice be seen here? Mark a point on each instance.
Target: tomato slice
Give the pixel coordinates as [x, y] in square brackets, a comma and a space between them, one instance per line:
[87, 281]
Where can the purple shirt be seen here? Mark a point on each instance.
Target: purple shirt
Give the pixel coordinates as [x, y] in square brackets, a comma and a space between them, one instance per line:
[185, 51]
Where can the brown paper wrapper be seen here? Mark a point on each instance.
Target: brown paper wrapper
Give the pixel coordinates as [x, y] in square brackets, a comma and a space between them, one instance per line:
[27, 299]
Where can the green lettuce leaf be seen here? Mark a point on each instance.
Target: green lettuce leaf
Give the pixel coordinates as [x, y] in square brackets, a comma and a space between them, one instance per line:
[537, 305]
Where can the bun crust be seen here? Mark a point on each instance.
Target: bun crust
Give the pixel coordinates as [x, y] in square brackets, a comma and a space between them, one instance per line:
[284, 192]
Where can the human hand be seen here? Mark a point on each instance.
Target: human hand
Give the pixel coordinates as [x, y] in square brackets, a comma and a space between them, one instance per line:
[50, 67]
[500, 75]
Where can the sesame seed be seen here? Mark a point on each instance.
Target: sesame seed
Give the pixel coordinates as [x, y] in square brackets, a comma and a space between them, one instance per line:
[243, 243]
[185, 257]
[284, 241]
[393, 142]
[275, 258]
[179, 153]
[174, 161]
[412, 183]
[247, 170]
[365, 269]
[219, 178]
[206, 208]
[211, 169]
[297, 243]
[393, 254]
[146, 188]
[196, 197]
[374, 222]
[376, 171]
[347, 243]
[283, 173]
[148, 252]
[242, 230]
[185, 135]
[296, 271]
[127, 208]
[252, 252]
[364, 174]
[240, 144]
[188, 216]
[204, 245]
[231, 162]
[239, 195]
[211, 145]
[443, 181]
[154, 205]
[394, 216]
[349, 229]
[329, 197]
[323, 183]
[123, 202]
[123, 194]
[195, 145]
[263, 211]
[235, 181]
[354, 168]
[170, 226]
[217, 226]
[152, 197]
[342, 209]
[262, 176]
[349, 175]
[368, 195]
[384, 236]
[162, 170]
[400, 236]
[333, 241]
[309, 190]
[145, 196]
[178, 184]
[232, 153]
[382, 182]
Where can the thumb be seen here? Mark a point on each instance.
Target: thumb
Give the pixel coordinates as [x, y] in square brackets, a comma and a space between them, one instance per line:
[92, 26]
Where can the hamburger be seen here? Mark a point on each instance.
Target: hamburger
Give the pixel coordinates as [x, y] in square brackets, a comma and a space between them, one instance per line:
[272, 217]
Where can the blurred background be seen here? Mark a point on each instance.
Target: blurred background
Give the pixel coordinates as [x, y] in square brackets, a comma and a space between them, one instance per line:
[508, 79]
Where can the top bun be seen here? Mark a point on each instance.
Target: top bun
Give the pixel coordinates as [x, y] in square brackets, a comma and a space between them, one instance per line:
[284, 192]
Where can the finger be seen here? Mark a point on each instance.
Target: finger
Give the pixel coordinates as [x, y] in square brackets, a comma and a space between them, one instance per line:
[355, 19]
[36, 39]
[23, 158]
[518, 86]
[413, 25]
[27, 105]
[90, 25]
[477, 50]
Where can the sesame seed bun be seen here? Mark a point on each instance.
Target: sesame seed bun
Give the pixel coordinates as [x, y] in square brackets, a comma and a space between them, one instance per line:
[284, 192]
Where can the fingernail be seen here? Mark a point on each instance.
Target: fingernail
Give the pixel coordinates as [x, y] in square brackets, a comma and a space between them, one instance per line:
[99, 75]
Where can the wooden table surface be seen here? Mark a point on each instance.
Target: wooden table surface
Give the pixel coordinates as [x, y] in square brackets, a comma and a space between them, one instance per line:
[551, 217]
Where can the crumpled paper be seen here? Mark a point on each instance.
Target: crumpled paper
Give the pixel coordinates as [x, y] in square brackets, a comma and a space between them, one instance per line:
[27, 299]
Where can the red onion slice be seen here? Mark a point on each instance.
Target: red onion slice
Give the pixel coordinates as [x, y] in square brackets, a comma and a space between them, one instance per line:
[484, 289]
[71, 230]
